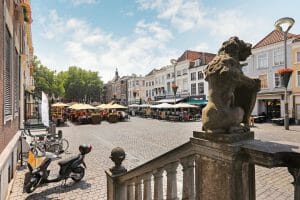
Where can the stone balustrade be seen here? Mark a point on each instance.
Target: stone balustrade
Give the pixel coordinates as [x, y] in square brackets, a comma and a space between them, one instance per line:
[213, 167]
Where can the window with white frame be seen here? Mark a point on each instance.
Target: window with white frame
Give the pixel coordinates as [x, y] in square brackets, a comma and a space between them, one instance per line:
[262, 61]
[185, 85]
[168, 87]
[193, 89]
[168, 76]
[200, 75]
[193, 76]
[8, 75]
[277, 80]
[263, 81]
[184, 72]
[298, 78]
[201, 88]
[278, 57]
[298, 57]
[197, 62]
[245, 67]
[178, 73]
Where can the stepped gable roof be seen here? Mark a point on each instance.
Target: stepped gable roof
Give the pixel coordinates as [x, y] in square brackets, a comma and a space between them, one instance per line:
[274, 37]
[194, 55]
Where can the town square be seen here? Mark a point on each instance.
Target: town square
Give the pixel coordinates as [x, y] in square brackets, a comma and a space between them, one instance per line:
[149, 100]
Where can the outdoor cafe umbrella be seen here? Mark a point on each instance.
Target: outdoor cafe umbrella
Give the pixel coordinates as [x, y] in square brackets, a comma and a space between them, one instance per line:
[102, 106]
[84, 107]
[59, 104]
[184, 105]
[163, 105]
[74, 106]
[134, 106]
[116, 106]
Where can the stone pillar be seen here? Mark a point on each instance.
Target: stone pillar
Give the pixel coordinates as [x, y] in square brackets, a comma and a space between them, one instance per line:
[158, 184]
[147, 186]
[130, 190]
[222, 167]
[296, 175]
[172, 181]
[188, 188]
[138, 189]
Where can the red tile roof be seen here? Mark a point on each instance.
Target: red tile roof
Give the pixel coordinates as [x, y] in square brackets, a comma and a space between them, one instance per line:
[194, 55]
[274, 37]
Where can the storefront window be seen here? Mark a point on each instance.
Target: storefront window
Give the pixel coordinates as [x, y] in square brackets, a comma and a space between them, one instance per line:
[263, 81]
[277, 82]
[193, 89]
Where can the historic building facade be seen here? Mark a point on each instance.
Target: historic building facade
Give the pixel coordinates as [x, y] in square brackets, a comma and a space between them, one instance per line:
[296, 78]
[116, 90]
[186, 74]
[267, 57]
[15, 66]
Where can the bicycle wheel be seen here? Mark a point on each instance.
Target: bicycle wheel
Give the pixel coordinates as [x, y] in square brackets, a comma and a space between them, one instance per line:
[64, 144]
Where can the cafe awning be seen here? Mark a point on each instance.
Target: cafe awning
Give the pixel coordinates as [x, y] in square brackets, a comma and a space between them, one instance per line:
[197, 102]
[169, 100]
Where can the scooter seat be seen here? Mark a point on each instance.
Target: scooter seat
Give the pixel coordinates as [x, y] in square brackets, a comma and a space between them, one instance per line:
[68, 160]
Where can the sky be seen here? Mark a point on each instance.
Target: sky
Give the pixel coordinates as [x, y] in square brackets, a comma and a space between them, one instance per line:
[136, 36]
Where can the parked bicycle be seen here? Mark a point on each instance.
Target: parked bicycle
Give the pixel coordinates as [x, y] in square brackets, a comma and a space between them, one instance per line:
[42, 143]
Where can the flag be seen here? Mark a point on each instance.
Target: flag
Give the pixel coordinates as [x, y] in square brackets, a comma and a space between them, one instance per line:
[45, 110]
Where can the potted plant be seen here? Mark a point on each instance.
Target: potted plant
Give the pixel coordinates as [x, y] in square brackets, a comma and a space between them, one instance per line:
[174, 88]
[285, 75]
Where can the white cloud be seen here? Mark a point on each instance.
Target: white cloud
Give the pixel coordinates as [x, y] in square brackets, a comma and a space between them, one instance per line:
[80, 2]
[184, 15]
[192, 15]
[88, 46]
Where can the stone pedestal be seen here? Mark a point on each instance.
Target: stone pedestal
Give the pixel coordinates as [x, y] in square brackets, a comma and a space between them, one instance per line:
[222, 168]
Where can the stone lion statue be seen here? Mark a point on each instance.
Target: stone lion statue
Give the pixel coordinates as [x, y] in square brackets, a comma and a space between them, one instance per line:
[232, 95]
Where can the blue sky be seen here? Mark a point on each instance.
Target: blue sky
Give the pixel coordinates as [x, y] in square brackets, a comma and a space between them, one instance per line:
[138, 35]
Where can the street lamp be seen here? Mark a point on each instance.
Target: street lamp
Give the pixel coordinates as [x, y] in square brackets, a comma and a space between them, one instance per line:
[281, 24]
[174, 86]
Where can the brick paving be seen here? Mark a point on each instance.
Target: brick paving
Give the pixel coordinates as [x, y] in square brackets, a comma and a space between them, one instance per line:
[144, 139]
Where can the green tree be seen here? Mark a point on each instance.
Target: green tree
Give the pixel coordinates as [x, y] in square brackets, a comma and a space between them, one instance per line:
[82, 85]
[74, 84]
[44, 78]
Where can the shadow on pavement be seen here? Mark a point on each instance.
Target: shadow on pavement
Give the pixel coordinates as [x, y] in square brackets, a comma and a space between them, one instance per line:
[58, 189]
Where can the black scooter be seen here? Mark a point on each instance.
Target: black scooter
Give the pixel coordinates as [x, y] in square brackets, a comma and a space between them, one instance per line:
[69, 168]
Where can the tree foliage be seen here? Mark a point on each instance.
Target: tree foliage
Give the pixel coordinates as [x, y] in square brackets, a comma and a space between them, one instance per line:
[75, 84]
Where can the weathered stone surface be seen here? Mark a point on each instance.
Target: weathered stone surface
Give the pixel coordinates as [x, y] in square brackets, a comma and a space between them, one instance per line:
[232, 95]
[223, 137]
[223, 172]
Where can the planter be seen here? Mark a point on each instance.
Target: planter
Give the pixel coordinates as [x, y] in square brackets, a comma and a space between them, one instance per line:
[112, 118]
[96, 119]
[285, 78]
[174, 88]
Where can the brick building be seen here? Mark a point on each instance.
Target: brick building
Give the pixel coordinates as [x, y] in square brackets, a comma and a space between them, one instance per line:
[15, 19]
[116, 90]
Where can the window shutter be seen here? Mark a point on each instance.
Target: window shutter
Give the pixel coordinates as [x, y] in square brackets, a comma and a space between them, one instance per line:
[7, 78]
[16, 81]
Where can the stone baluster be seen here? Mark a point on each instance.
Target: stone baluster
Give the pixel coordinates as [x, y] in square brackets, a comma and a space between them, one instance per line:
[147, 186]
[188, 189]
[115, 189]
[158, 184]
[296, 175]
[172, 181]
[138, 189]
[130, 190]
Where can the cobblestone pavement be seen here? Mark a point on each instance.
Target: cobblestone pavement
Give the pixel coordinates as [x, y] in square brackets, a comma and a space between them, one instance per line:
[144, 139]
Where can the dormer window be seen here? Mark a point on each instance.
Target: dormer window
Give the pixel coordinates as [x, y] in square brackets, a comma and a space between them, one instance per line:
[197, 62]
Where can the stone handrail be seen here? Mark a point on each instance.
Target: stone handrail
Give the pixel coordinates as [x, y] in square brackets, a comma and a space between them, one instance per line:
[213, 167]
